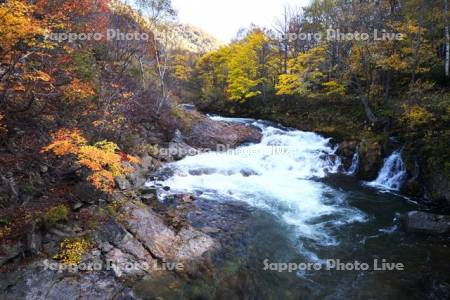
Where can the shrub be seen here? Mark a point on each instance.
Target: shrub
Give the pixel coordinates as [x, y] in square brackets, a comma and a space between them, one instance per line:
[103, 158]
[72, 250]
[56, 214]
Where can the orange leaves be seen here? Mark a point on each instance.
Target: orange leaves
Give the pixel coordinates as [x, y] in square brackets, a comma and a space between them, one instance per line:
[102, 180]
[78, 90]
[37, 76]
[65, 142]
[103, 158]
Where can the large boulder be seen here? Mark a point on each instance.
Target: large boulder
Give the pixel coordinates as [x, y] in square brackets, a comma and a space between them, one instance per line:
[162, 241]
[371, 159]
[346, 151]
[205, 133]
[121, 248]
[423, 222]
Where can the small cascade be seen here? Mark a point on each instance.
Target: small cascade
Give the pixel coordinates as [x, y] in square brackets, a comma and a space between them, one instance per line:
[355, 163]
[393, 173]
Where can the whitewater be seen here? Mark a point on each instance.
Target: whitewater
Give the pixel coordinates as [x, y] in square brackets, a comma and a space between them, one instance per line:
[281, 174]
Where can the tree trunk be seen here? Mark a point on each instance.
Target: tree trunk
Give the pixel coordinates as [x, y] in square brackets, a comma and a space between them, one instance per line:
[447, 44]
[369, 114]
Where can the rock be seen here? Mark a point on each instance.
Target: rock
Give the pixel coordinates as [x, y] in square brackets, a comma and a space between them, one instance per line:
[180, 150]
[105, 247]
[77, 206]
[44, 169]
[86, 193]
[146, 190]
[122, 249]
[163, 242]
[9, 252]
[120, 263]
[371, 159]
[210, 230]
[193, 244]
[248, 172]
[147, 199]
[122, 183]
[164, 173]
[202, 171]
[205, 133]
[188, 199]
[37, 282]
[34, 241]
[166, 188]
[423, 222]
[438, 183]
[346, 151]
[187, 106]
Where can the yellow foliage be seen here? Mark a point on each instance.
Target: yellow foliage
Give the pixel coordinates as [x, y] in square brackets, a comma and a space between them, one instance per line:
[249, 67]
[71, 251]
[17, 24]
[334, 89]
[416, 116]
[103, 158]
[289, 84]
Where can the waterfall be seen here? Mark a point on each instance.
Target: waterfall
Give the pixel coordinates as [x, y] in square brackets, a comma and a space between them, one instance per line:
[355, 163]
[393, 173]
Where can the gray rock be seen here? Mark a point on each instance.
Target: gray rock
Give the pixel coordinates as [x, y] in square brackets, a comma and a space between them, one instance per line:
[34, 242]
[163, 242]
[36, 282]
[44, 169]
[9, 252]
[148, 198]
[122, 249]
[122, 183]
[146, 190]
[423, 222]
[77, 206]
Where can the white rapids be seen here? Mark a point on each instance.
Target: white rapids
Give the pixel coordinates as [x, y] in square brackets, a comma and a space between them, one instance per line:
[281, 175]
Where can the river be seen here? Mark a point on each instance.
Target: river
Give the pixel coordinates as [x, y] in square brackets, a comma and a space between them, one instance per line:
[291, 203]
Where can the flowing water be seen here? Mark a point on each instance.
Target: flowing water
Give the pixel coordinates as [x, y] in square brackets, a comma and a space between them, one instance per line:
[284, 201]
[393, 173]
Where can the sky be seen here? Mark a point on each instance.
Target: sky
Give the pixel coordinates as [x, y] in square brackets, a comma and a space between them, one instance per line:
[224, 18]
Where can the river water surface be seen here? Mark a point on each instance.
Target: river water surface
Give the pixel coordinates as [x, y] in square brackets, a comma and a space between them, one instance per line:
[290, 201]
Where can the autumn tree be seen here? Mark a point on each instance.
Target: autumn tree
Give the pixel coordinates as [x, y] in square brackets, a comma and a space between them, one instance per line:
[103, 158]
[252, 68]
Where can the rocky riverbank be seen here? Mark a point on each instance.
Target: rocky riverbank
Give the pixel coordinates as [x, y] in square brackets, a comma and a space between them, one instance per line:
[125, 237]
